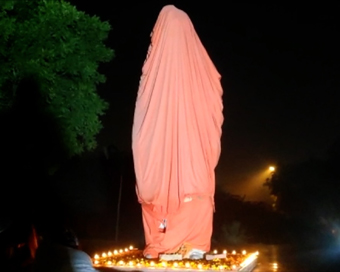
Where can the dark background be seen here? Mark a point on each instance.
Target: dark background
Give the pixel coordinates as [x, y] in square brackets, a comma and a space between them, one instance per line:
[280, 74]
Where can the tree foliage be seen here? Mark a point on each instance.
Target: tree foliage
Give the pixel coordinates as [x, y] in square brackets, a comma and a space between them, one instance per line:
[61, 48]
[308, 192]
[236, 221]
[305, 188]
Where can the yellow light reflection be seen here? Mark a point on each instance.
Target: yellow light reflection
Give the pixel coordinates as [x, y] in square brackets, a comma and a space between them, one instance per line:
[250, 259]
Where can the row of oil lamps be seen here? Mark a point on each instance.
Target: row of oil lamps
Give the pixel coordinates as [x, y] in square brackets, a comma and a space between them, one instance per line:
[121, 251]
[235, 260]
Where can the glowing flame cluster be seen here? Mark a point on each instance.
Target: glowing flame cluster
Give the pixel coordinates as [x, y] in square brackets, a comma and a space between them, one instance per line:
[133, 258]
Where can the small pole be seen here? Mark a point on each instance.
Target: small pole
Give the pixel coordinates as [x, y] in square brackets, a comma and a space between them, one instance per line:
[118, 206]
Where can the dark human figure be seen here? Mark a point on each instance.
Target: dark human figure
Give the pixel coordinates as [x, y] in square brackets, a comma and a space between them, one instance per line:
[18, 245]
[59, 251]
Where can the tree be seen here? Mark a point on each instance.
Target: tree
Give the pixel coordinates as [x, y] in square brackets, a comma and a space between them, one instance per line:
[308, 193]
[61, 48]
[302, 188]
[233, 234]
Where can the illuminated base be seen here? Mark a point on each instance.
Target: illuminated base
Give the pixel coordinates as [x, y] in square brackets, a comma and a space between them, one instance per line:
[132, 259]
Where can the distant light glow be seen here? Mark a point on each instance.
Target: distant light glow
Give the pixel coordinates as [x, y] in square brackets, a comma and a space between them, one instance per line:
[271, 168]
[275, 267]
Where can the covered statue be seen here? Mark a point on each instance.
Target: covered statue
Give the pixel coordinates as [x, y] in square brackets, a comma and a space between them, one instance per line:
[176, 138]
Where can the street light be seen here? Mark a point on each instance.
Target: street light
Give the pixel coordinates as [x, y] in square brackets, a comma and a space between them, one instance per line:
[271, 168]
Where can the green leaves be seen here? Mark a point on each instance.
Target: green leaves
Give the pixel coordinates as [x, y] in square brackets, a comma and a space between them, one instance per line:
[6, 4]
[63, 48]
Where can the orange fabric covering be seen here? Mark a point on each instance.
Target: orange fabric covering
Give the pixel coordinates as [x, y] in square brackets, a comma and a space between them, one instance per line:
[176, 135]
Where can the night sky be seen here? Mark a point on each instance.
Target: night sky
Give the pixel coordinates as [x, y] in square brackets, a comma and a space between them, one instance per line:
[280, 74]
